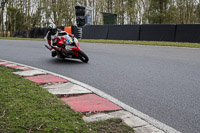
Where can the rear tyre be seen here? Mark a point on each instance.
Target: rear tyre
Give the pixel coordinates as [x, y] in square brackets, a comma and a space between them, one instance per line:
[82, 56]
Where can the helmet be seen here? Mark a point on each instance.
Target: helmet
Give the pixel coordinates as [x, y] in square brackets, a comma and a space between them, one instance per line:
[53, 29]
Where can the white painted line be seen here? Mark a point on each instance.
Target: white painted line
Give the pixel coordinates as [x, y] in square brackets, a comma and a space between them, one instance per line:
[66, 88]
[150, 120]
[147, 129]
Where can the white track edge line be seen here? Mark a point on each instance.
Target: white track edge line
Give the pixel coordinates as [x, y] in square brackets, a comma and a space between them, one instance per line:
[126, 107]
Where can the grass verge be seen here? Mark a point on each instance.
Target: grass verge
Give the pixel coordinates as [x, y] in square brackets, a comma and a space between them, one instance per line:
[15, 38]
[154, 43]
[110, 126]
[26, 107]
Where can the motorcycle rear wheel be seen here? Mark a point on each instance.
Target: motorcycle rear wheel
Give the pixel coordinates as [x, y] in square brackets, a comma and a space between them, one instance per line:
[82, 56]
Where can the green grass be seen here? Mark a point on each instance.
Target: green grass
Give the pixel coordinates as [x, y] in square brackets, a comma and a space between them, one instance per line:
[26, 107]
[110, 126]
[15, 38]
[154, 43]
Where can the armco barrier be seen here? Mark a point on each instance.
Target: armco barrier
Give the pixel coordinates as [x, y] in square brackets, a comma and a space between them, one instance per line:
[21, 34]
[38, 32]
[188, 33]
[157, 32]
[123, 32]
[32, 33]
[41, 32]
[150, 32]
[95, 32]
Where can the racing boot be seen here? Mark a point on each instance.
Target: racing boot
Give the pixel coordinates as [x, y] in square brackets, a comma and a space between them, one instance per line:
[53, 53]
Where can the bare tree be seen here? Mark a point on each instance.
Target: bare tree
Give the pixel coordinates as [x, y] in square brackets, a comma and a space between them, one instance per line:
[27, 14]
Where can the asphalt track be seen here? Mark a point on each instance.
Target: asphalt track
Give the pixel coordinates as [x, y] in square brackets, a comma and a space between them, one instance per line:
[162, 82]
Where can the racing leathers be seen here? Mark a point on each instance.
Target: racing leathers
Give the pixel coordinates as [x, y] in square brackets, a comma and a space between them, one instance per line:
[61, 39]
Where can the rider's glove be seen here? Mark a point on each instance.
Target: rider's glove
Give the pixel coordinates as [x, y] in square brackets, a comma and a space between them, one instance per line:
[54, 44]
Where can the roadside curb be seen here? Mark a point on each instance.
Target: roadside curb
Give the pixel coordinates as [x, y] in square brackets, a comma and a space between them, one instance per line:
[89, 100]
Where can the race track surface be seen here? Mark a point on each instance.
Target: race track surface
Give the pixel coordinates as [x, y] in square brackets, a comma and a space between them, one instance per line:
[162, 82]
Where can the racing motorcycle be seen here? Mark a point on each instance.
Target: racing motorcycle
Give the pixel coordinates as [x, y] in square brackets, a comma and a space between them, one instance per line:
[68, 50]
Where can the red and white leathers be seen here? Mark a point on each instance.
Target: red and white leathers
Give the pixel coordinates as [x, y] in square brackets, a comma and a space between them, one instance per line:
[55, 40]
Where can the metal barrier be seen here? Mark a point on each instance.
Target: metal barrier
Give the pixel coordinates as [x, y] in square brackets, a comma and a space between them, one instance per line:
[147, 32]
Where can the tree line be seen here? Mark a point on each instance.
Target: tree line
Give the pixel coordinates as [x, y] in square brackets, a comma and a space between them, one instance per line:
[28, 14]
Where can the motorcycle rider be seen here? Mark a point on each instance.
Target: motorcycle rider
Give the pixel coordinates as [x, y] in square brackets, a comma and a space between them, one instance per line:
[53, 38]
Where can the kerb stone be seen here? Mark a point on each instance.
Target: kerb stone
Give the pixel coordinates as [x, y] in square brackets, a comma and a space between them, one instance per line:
[3, 63]
[121, 114]
[66, 88]
[135, 122]
[128, 118]
[10, 65]
[29, 73]
[97, 117]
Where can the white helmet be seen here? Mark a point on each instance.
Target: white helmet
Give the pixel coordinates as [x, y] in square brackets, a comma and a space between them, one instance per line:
[52, 26]
[53, 29]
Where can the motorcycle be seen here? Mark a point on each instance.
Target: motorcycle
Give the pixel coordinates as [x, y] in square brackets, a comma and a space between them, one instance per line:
[68, 50]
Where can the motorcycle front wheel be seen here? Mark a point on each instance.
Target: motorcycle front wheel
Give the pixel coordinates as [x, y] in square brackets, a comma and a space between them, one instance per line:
[82, 56]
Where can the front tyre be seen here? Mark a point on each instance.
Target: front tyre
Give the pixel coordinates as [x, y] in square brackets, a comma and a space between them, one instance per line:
[82, 56]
